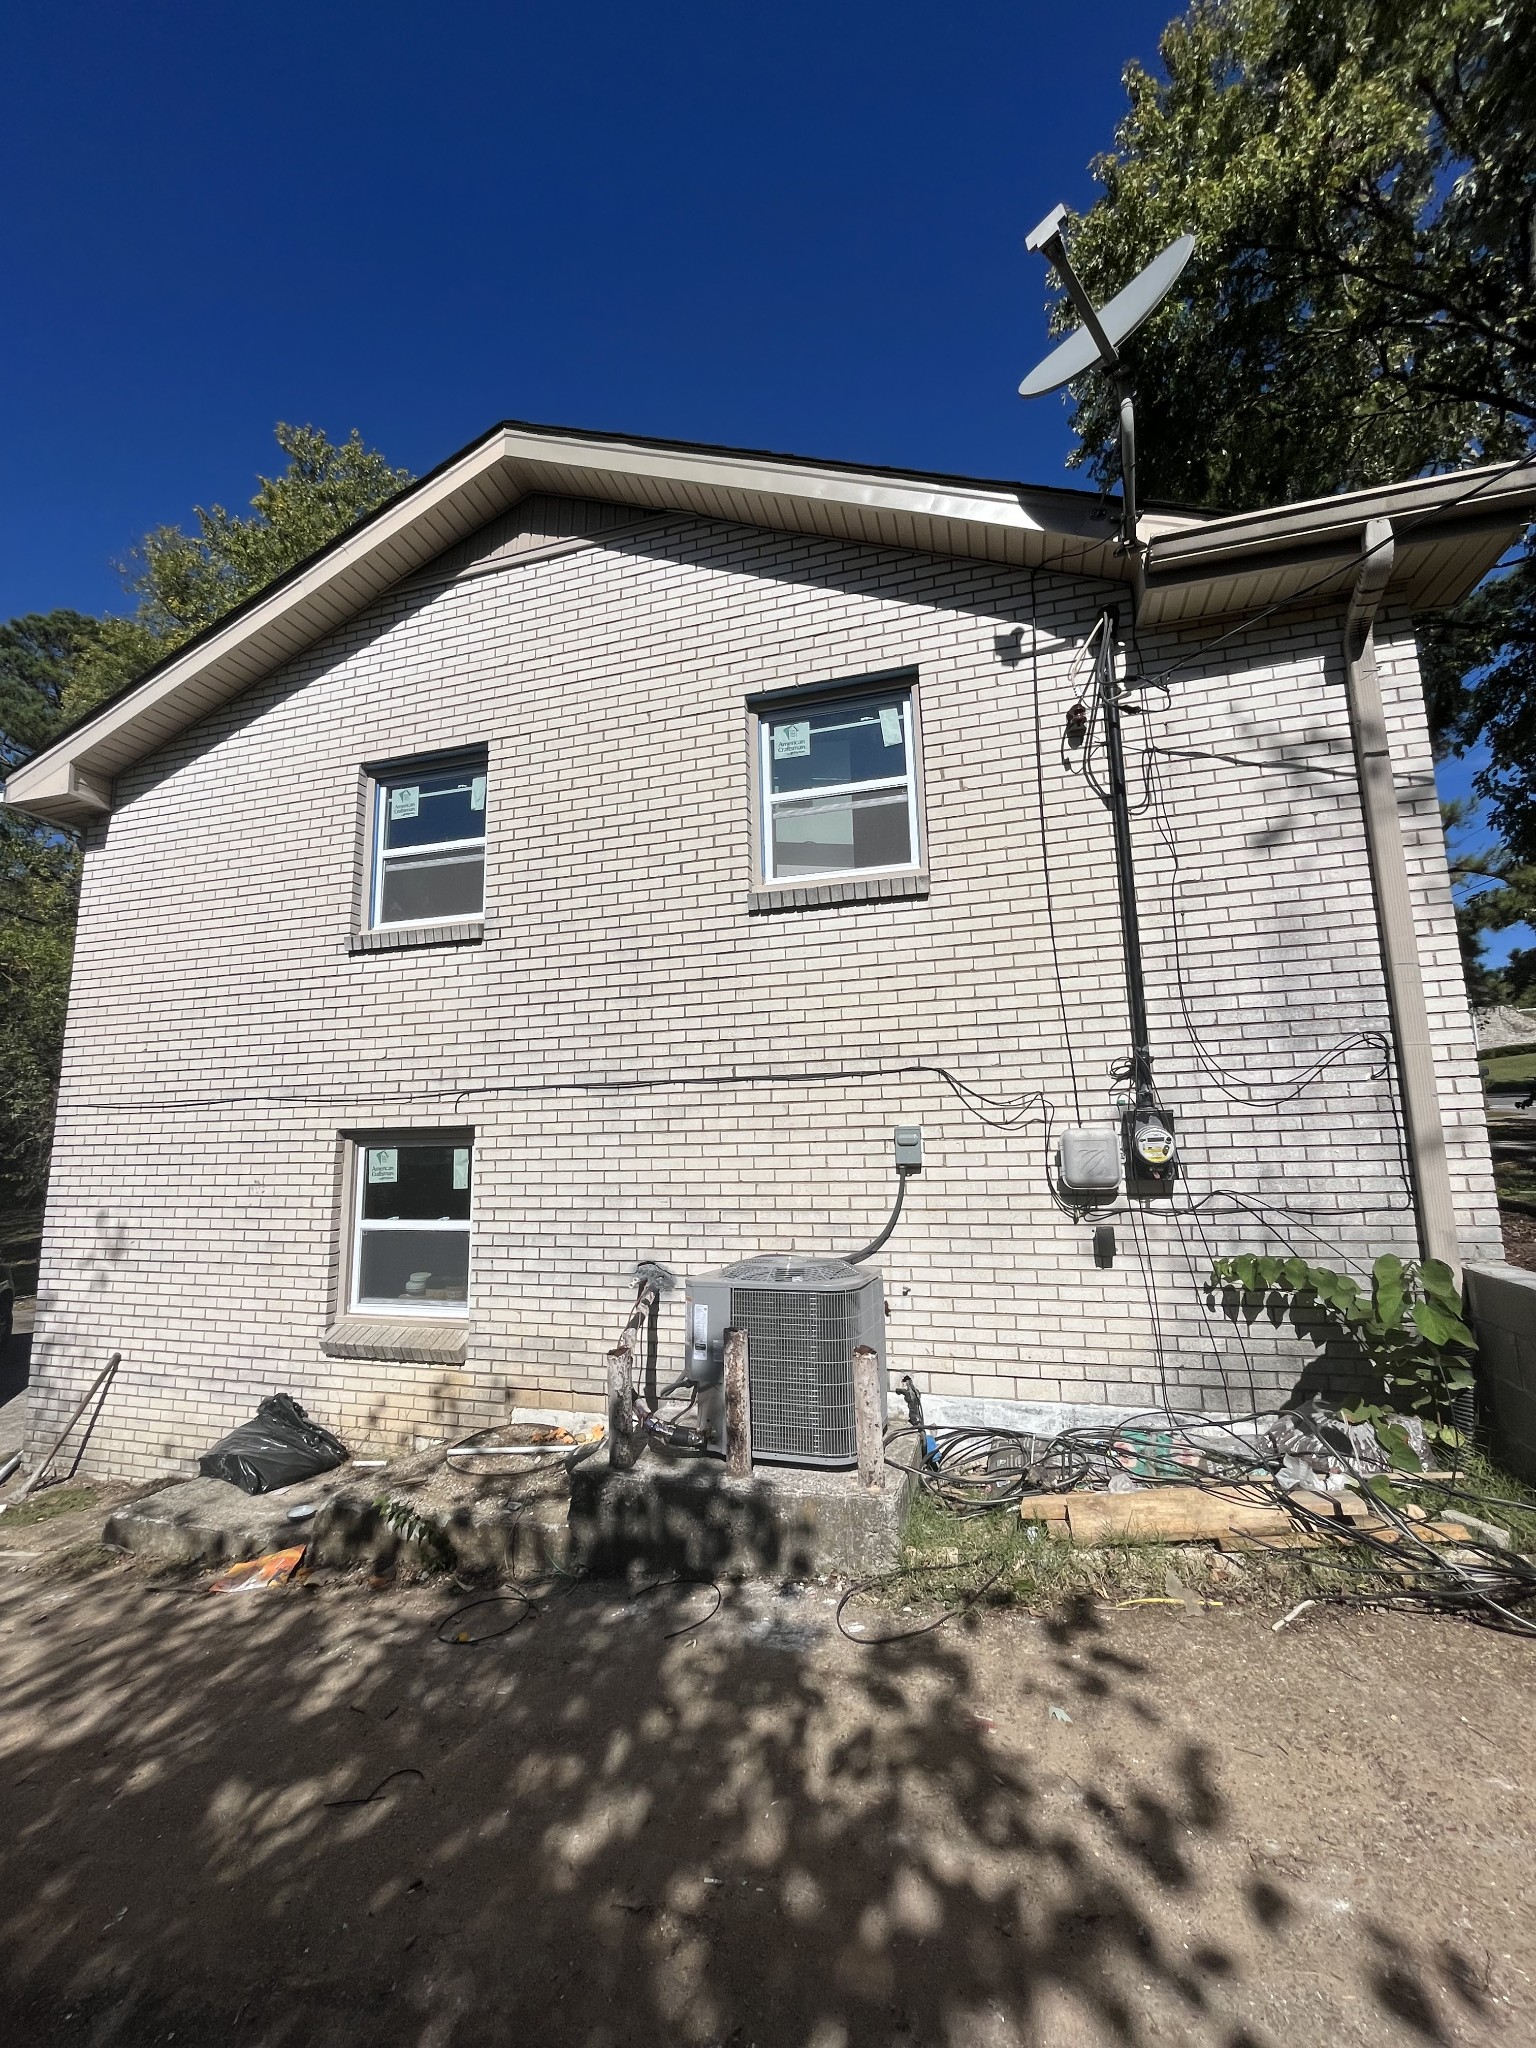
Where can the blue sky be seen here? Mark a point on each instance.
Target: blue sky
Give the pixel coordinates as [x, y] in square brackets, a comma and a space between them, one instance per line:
[796, 228]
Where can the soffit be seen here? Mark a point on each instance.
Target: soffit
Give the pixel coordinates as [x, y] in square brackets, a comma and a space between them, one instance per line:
[1196, 567]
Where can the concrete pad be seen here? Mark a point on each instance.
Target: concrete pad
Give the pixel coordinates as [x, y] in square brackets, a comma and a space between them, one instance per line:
[676, 1513]
[208, 1521]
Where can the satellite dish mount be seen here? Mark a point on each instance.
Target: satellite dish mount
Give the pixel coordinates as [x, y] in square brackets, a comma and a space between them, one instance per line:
[1096, 344]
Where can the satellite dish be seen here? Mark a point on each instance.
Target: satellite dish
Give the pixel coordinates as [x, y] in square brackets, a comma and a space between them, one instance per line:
[1083, 350]
[1096, 344]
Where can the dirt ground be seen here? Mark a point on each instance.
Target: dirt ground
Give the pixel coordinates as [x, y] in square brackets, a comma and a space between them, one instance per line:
[297, 1819]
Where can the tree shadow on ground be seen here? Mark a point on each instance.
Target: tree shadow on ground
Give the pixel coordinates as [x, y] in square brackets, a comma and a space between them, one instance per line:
[309, 1818]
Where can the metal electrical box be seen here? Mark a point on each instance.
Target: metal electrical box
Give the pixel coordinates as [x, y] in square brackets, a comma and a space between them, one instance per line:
[802, 1319]
[907, 1140]
[1088, 1162]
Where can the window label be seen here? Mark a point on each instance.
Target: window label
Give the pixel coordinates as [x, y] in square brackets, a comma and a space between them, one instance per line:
[383, 1166]
[792, 742]
[477, 793]
[405, 803]
[461, 1167]
[890, 725]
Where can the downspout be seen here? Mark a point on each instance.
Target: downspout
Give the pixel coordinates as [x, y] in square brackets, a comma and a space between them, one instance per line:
[1429, 1169]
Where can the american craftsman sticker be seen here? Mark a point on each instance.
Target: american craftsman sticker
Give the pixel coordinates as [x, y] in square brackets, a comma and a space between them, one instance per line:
[477, 793]
[404, 803]
[792, 742]
[383, 1166]
[890, 725]
[461, 1167]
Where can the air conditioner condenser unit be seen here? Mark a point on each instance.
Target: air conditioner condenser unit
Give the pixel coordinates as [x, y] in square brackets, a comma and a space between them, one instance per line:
[802, 1318]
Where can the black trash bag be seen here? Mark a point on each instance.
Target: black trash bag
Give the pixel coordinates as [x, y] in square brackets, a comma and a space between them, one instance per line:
[278, 1446]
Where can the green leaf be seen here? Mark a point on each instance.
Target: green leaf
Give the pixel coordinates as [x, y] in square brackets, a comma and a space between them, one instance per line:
[1388, 1271]
[1270, 1271]
[1246, 1267]
[1296, 1274]
[1439, 1283]
[1400, 1453]
[1435, 1325]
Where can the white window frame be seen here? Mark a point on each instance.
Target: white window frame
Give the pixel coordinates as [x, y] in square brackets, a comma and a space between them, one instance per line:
[395, 778]
[785, 713]
[426, 1311]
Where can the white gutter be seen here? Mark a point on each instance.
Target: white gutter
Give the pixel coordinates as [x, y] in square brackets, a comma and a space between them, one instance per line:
[1429, 1168]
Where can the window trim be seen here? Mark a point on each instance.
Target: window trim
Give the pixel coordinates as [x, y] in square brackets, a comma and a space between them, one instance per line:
[381, 776]
[840, 884]
[350, 1305]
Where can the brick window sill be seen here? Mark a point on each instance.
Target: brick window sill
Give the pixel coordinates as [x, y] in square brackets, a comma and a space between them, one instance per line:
[415, 1342]
[824, 895]
[402, 938]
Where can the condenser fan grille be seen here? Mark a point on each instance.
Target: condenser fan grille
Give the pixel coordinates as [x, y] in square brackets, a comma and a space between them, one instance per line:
[800, 1369]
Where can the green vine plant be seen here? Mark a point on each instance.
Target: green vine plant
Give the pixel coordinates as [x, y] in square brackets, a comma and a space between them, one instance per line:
[427, 1534]
[1408, 1323]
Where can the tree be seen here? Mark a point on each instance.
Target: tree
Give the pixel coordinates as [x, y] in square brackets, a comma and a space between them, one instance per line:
[1492, 891]
[1361, 179]
[56, 666]
[186, 582]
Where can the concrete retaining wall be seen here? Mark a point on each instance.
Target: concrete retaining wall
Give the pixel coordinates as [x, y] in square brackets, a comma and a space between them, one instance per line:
[1501, 1301]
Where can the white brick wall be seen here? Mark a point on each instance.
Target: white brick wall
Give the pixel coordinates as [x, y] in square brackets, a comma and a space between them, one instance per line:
[221, 1036]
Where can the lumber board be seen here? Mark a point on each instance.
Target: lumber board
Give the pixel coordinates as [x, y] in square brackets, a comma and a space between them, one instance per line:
[1193, 1514]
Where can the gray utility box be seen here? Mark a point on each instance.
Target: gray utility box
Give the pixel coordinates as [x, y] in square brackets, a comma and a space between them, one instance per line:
[802, 1319]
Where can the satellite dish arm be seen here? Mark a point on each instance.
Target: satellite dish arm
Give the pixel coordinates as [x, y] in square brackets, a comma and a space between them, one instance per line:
[1052, 246]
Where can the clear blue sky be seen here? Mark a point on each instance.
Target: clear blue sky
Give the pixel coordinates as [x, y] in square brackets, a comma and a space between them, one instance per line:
[796, 227]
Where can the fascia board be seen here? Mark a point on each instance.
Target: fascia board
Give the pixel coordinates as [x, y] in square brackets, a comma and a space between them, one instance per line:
[1060, 529]
[1451, 530]
[1191, 557]
[337, 585]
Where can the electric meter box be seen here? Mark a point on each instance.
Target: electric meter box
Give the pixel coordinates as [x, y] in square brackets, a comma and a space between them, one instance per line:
[1088, 1162]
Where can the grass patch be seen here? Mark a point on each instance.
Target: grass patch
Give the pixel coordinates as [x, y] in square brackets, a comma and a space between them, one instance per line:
[1038, 1572]
[1479, 1474]
[47, 1506]
[1505, 1068]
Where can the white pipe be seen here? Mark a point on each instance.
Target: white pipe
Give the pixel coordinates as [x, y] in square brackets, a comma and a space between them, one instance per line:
[1433, 1200]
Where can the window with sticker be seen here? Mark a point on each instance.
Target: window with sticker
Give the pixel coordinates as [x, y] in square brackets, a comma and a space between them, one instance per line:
[428, 844]
[838, 787]
[410, 1224]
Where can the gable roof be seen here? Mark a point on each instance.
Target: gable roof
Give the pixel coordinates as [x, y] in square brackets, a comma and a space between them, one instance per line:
[1196, 566]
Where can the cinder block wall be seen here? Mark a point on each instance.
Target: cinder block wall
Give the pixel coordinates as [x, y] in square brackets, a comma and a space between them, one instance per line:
[221, 1035]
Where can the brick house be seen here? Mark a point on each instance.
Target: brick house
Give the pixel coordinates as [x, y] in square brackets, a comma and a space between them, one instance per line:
[595, 853]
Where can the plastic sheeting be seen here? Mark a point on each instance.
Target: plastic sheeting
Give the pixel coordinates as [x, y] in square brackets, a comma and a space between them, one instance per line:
[277, 1447]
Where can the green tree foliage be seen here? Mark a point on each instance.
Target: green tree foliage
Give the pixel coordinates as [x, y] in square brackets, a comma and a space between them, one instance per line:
[57, 666]
[1493, 891]
[1361, 179]
[39, 883]
[186, 582]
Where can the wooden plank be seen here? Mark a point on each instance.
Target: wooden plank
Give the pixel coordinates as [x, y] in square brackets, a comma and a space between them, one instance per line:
[1171, 1514]
[1045, 1507]
[738, 1407]
[868, 1419]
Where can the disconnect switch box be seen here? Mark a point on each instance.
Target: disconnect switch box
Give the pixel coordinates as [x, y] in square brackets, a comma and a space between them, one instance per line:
[908, 1139]
[1088, 1162]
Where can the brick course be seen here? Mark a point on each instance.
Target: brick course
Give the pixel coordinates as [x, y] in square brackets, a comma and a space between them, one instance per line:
[633, 1048]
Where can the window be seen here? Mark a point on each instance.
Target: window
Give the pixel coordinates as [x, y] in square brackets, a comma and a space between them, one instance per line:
[838, 786]
[410, 1238]
[428, 843]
